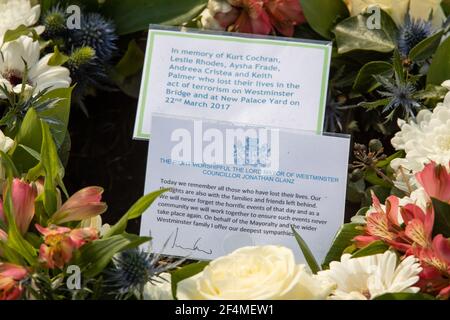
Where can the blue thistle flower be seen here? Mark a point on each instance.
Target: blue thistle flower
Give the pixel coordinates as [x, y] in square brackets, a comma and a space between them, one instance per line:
[95, 32]
[132, 269]
[400, 95]
[412, 33]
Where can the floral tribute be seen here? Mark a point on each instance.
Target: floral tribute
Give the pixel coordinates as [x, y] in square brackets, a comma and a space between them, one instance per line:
[389, 89]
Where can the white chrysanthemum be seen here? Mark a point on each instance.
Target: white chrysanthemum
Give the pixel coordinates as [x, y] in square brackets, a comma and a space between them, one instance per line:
[372, 276]
[39, 75]
[14, 13]
[424, 140]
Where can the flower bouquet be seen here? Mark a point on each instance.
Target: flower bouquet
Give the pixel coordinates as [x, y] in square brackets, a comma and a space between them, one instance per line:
[389, 89]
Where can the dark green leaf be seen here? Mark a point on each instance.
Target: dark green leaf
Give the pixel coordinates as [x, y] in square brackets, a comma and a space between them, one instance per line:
[440, 67]
[134, 212]
[322, 15]
[12, 35]
[441, 218]
[343, 240]
[371, 249]
[371, 176]
[426, 48]
[8, 164]
[387, 161]
[353, 34]
[309, 257]
[365, 82]
[132, 62]
[136, 15]
[184, 273]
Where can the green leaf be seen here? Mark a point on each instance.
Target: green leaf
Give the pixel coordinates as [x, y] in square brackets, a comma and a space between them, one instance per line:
[8, 164]
[134, 212]
[132, 62]
[95, 256]
[353, 34]
[365, 82]
[440, 67]
[375, 247]
[404, 296]
[322, 15]
[58, 58]
[52, 168]
[29, 135]
[15, 239]
[184, 273]
[343, 239]
[136, 15]
[371, 176]
[371, 105]
[15, 34]
[446, 7]
[309, 257]
[426, 48]
[57, 116]
[441, 218]
[387, 161]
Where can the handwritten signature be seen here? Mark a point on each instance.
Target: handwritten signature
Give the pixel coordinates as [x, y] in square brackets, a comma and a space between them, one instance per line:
[194, 247]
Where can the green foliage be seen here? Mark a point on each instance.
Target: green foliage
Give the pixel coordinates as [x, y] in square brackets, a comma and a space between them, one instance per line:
[342, 241]
[95, 256]
[58, 58]
[365, 82]
[426, 48]
[322, 15]
[309, 257]
[22, 30]
[136, 15]
[353, 34]
[440, 67]
[184, 273]
[441, 218]
[134, 212]
[375, 247]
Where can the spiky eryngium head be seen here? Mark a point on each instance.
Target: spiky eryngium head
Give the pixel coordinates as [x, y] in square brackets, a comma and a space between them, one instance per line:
[55, 23]
[129, 272]
[400, 95]
[412, 33]
[95, 32]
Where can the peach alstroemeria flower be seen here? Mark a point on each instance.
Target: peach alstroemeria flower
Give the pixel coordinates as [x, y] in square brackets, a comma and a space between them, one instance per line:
[436, 181]
[23, 195]
[285, 15]
[383, 225]
[84, 204]
[419, 225]
[10, 277]
[60, 243]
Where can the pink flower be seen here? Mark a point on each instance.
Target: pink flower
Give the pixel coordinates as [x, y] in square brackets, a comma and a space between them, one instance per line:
[23, 196]
[61, 242]
[436, 181]
[436, 262]
[84, 204]
[383, 225]
[419, 225]
[10, 277]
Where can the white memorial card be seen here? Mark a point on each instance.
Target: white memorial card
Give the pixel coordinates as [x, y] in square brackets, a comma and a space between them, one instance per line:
[234, 186]
[253, 80]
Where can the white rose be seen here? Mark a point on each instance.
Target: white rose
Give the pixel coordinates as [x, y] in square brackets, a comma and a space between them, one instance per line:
[397, 9]
[160, 289]
[254, 273]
